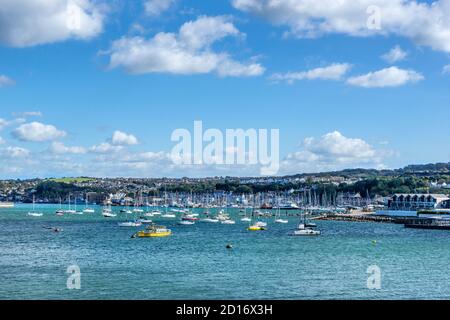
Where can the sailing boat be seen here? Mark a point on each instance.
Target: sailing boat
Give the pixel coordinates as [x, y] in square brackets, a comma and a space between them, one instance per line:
[86, 209]
[70, 209]
[60, 211]
[167, 215]
[246, 219]
[34, 213]
[304, 230]
[107, 212]
[278, 216]
[137, 204]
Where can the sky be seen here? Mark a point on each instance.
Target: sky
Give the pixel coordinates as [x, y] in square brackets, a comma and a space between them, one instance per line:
[96, 88]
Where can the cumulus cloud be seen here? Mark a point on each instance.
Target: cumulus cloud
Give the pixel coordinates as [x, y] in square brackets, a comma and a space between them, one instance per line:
[25, 23]
[120, 138]
[6, 81]
[424, 23]
[389, 77]
[15, 152]
[186, 52]
[333, 151]
[37, 132]
[156, 7]
[60, 148]
[394, 55]
[334, 71]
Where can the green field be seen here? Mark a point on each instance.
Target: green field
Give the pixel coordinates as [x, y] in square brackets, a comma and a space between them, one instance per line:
[71, 180]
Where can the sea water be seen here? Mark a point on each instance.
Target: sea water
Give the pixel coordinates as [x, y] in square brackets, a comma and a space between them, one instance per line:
[194, 263]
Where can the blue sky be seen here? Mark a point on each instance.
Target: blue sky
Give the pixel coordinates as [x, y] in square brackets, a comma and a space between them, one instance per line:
[230, 68]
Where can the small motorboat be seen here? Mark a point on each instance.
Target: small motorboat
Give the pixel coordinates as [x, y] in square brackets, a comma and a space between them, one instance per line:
[138, 210]
[186, 223]
[60, 213]
[261, 224]
[145, 221]
[255, 227]
[189, 218]
[168, 216]
[35, 214]
[88, 210]
[210, 220]
[130, 224]
[149, 214]
[228, 222]
[107, 213]
[283, 221]
[246, 220]
[153, 231]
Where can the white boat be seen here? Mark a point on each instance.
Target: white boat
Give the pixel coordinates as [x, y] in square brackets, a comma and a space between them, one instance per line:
[186, 223]
[130, 224]
[283, 221]
[138, 210]
[145, 221]
[210, 220]
[228, 222]
[148, 214]
[261, 224]
[107, 213]
[246, 219]
[4, 205]
[156, 212]
[302, 230]
[86, 209]
[169, 216]
[34, 213]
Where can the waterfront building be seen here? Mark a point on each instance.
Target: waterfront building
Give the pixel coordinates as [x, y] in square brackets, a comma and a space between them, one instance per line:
[418, 202]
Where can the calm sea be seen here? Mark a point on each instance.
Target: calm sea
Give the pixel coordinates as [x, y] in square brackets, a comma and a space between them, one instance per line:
[195, 264]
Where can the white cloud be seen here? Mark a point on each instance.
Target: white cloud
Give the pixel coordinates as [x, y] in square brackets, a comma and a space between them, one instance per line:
[394, 55]
[424, 23]
[37, 132]
[105, 147]
[446, 69]
[156, 7]
[60, 148]
[389, 77]
[332, 72]
[186, 52]
[15, 152]
[333, 151]
[25, 23]
[5, 81]
[120, 138]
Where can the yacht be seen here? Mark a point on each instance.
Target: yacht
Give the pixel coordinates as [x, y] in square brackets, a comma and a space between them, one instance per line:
[130, 224]
[303, 230]
[107, 213]
[34, 213]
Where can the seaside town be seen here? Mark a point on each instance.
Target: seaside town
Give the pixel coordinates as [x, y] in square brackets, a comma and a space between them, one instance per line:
[354, 195]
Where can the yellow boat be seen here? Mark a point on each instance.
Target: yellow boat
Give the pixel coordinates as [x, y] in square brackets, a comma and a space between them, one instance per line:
[154, 232]
[256, 228]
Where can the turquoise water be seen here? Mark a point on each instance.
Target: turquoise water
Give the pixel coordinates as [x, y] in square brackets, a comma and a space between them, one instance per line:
[194, 263]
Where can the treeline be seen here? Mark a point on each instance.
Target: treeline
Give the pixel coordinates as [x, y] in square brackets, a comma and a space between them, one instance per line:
[382, 186]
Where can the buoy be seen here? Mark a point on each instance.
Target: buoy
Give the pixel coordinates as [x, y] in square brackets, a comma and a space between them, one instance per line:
[229, 246]
[374, 241]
